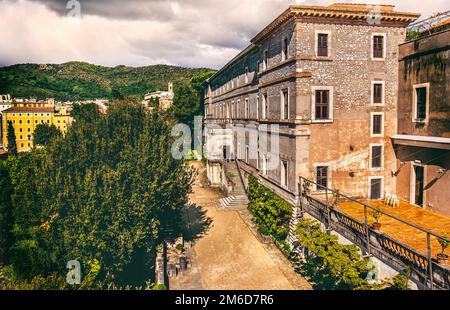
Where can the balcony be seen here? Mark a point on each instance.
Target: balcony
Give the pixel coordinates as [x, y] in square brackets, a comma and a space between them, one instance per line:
[408, 237]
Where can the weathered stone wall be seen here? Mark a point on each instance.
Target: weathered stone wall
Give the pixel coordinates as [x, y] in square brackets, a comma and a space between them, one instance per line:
[344, 144]
[425, 61]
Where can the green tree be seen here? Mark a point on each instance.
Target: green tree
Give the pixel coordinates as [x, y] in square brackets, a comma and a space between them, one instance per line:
[11, 135]
[5, 214]
[44, 133]
[106, 195]
[189, 99]
[330, 265]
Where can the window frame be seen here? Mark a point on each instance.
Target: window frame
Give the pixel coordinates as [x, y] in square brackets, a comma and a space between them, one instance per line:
[316, 45]
[283, 103]
[317, 165]
[372, 134]
[383, 93]
[284, 173]
[370, 179]
[285, 48]
[371, 157]
[427, 103]
[384, 35]
[330, 104]
[265, 59]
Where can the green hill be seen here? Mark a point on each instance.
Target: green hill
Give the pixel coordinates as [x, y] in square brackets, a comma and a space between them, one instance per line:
[80, 80]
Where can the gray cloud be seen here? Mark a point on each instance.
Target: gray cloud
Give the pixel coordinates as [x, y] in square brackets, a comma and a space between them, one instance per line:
[142, 32]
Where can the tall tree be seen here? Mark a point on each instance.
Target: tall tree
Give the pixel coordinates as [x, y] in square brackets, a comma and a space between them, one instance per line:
[45, 133]
[5, 213]
[11, 135]
[189, 99]
[106, 195]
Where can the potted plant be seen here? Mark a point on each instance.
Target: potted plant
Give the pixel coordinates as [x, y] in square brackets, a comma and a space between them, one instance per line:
[307, 187]
[376, 216]
[442, 257]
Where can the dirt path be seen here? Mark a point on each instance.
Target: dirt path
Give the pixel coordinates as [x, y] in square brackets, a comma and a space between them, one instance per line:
[229, 256]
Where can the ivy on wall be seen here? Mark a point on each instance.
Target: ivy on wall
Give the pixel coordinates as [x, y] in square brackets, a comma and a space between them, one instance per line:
[270, 212]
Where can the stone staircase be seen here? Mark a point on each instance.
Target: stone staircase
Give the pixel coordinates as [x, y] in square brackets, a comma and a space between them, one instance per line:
[237, 199]
[234, 202]
[292, 226]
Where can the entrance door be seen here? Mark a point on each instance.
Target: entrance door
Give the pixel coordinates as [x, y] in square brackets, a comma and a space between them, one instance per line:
[419, 174]
[226, 152]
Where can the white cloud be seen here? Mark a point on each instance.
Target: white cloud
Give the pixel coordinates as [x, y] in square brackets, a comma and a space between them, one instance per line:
[204, 33]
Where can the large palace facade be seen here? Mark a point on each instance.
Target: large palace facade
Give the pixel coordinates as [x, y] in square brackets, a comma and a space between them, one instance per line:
[324, 81]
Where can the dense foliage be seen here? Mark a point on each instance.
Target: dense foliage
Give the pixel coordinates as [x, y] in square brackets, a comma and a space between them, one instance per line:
[270, 212]
[189, 99]
[80, 80]
[11, 134]
[105, 194]
[45, 133]
[330, 265]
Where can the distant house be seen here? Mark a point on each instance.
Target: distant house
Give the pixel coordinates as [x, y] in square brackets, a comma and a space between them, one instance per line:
[26, 115]
[165, 98]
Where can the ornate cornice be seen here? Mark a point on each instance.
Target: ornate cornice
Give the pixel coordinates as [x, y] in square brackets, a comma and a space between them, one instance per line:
[338, 13]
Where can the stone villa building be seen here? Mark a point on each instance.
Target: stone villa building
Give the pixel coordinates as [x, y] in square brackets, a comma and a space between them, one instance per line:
[422, 144]
[328, 77]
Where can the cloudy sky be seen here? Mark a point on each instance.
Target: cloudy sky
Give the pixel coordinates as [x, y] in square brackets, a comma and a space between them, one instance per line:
[193, 33]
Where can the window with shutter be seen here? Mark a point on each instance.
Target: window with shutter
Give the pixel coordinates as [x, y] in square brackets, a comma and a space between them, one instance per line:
[421, 104]
[322, 177]
[377, 153]
[322, 45]
[378, 47]
[378, 93]
[285, 49]
[322, 104]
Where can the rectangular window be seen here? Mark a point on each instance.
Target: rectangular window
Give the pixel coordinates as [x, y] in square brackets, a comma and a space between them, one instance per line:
[266, 60]
[322, 45]
[421, 103]
[322, 177]
[246, 154]
[322, 104]
[285, 49]
[246, 75]
[377, 124]
[247, 109]
[376, 156]
[257, 107]
[238, 109]
[376, 188]
[284, 173]
[377, 93]
[285, 103]
[264, 107]
[378, 46]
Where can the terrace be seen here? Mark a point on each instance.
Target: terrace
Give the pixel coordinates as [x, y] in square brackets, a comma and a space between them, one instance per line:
[408, 237]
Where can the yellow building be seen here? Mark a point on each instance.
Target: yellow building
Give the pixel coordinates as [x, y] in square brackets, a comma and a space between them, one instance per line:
[25, 116]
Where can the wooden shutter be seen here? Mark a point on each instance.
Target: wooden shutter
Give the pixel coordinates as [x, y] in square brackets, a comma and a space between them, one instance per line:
[322, 48]
[378, 45]
[322, 104]
[322, 177]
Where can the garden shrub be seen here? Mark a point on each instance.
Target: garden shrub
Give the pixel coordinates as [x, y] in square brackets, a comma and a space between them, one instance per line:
[270, 212]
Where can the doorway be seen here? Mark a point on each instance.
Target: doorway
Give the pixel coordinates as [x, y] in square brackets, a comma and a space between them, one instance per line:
[418, 185]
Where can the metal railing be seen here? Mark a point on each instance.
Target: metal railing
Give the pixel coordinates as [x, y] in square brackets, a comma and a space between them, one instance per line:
[426, 27]
[375, 243]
